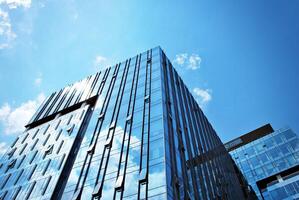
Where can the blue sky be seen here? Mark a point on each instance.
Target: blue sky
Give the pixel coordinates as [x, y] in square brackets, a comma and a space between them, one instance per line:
[240, 58]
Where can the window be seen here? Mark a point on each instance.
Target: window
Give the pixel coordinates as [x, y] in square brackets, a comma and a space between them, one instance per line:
[156, 149]
[23, 148]
[70, 128]
[281, 164]
[29, 191]
[46, 140]
[21, 161]
[274, 153]
[11, 152]
[82, 114]
[58, 134]
[119, 182]
[289, 134]
[254, 161]
[59, 147]
[45, 185]
[46, 129]
[277, 139]
[16, 192]
[291, 160]
[12, 163]
[269, 143]
[294, 144]
[250, 151]
[25, 138]
[46, 167]
[13, 144]
[57, 125]
[35, 133]
[33, 156]
[284, 149]
[31, 172]
[19, 176]
[2, 195]
[5, 180]
[49, 149]
[263, 157]
[269, 168]
[61, 162]
[34, 144]
[69, 120]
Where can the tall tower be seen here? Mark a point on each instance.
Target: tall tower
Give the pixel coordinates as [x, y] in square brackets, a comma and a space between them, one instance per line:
[132, 131]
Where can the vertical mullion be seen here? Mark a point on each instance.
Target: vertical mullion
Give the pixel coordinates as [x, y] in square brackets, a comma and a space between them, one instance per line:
[188, 147]
[77, 92]
[60, 100]
[116, 113]
[47, 107]
[172, 150]
[53, 103]
[74, 90]
[41, 108]
[98, 185]
[180, 139]
[89, 86]
[144, 158]
[185, 93]
[83, 88]
[202, 146]
[129, 122]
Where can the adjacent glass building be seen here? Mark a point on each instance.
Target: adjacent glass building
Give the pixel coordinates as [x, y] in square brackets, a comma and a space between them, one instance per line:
[269, 160]
[132, 131]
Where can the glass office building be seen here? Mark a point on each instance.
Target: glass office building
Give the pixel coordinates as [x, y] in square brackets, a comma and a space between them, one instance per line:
[131, 131]
[269, 160]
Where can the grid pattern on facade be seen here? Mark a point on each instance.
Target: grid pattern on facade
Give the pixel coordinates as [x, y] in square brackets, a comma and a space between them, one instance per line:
[197, 165]
[123, 154]
[267, 156]
[32, 166]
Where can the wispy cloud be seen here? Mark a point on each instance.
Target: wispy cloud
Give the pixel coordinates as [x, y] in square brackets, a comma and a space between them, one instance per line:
[194, 62]
[13, 119]
[13, 4]
[180, 59]
[191, 62]
[3, 148]
[100, 63]
[7, 35]
[202, 96]
[100, 60]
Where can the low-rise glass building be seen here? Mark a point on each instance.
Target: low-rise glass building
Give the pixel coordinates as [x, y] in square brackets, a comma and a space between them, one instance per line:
[269, 161]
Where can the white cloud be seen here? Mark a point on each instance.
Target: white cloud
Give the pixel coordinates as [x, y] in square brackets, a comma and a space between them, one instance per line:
[6, 33]
[194, 62]
[202, 96]
[189, 62]
[100, 60]
[13, 4]
[3, 148]
[13, 120]
[100, 63]
[180, 59]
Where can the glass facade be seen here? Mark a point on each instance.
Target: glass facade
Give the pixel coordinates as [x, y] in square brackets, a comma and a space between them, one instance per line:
[132, 131]
[270, 164]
